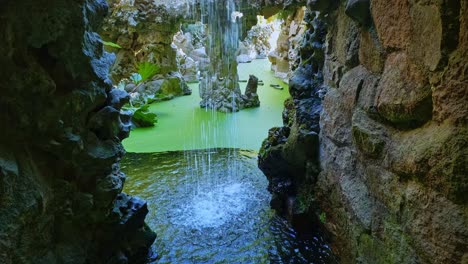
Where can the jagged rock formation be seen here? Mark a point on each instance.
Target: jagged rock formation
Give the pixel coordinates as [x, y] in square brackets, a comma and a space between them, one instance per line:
[257, 43]
[219, 88]
[191, 53]
[291, 151]
[60, 182]
[144, 30]
[284, 60]
[393, 132]
[250, 97]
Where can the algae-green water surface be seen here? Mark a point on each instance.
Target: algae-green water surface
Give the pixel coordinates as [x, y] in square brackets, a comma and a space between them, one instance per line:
[183, 125]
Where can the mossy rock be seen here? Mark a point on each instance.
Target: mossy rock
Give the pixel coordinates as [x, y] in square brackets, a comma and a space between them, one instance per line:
[368, 135]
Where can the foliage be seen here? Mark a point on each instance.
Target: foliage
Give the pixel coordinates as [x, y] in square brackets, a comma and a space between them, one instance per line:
[111, 44]
[323, 217]
[142, 117]
[284, 14]
[146, 70]
[305, 198]
[122, 84]
[136, 78]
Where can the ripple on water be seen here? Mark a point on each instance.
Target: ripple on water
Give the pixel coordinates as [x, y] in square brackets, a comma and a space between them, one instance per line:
[219, 214]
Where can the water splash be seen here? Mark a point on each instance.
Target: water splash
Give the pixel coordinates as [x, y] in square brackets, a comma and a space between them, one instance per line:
[228, 223]
[216, 207]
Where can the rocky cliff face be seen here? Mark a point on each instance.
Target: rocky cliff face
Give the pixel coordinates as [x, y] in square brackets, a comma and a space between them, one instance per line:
[284, 60]
[392, 146]
[144, 29]
[60, 182]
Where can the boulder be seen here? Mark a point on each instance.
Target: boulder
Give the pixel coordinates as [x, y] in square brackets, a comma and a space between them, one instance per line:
[359, 11]
[250, 96]
[404, 96]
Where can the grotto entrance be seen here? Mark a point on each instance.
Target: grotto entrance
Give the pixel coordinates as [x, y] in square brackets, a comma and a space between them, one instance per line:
[197, 167]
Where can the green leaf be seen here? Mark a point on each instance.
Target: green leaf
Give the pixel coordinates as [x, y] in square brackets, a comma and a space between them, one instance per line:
[111, 44]
[142, 117]
[136, 78]
[147, 70]
[323, 218]
[121, 85]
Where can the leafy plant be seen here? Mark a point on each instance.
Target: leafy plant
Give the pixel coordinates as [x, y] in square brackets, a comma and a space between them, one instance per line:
[323, 217]
[284, 14]
[136, 78]
[122, 84]
[142, 116]
[147, 70]
[111, 44]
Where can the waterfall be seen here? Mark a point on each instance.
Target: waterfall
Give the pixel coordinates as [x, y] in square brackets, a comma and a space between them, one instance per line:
[219, 88]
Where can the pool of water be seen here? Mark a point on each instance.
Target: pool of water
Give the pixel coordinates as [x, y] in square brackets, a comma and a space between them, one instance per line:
[212, 206]
[182, 124]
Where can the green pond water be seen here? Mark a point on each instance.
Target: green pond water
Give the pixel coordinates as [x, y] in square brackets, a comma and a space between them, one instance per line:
[183, 125]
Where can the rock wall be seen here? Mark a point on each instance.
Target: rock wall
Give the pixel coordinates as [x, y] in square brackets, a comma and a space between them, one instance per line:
[390, 175]
[191, 52]
[60, 182]
[144, 29]
[291, 151]
[284, 60]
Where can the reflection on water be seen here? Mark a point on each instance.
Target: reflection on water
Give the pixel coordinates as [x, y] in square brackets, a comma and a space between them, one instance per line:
[218, 213]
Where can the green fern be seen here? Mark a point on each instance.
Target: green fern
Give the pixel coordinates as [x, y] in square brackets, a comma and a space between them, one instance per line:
[147, 70]
[111, 44]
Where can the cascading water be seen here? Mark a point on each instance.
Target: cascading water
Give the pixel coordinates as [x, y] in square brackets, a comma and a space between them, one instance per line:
[219, 88]
[210, 205]
[216, 199]
[226, 222]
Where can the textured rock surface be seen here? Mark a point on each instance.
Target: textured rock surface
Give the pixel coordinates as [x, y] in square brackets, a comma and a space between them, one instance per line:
[393, 133]
[191, 53]
[257, 43]
[60, 147]
[291, 151]
[144, 29]
[285, 59]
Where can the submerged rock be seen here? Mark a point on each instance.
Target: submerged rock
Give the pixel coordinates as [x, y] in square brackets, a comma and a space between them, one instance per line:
[251, 97]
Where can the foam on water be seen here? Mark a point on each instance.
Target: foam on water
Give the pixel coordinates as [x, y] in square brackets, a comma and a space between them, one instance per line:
[216, 207]
[216, 219]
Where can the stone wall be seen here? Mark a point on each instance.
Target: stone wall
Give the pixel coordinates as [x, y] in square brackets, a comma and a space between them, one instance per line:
[393, 133]
[60, 182]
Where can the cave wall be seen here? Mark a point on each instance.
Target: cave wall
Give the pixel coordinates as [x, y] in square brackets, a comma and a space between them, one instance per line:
[285, 58]
[392, 145]
[60, 142]
[144, 30]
